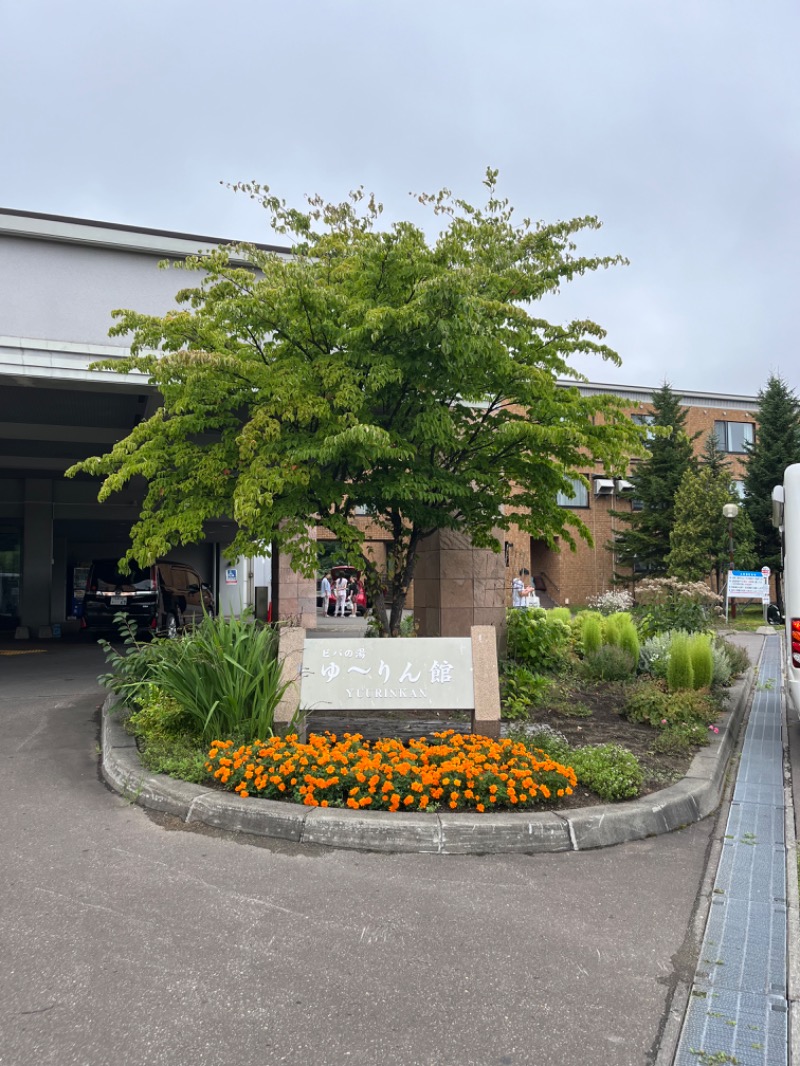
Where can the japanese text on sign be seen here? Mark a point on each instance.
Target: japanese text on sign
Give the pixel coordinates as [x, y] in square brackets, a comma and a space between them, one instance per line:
[434, 673]
[747, 585]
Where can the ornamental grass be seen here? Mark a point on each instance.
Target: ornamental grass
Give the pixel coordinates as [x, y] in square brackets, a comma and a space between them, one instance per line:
[449, 771]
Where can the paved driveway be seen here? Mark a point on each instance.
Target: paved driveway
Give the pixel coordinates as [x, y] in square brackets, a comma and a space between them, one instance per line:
[125, 940]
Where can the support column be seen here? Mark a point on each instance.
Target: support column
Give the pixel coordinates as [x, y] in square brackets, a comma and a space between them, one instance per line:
[457, 586]
[294, 596]
[37, 554]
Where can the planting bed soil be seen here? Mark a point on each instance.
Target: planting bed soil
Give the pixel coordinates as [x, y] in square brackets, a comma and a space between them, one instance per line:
[588, 713]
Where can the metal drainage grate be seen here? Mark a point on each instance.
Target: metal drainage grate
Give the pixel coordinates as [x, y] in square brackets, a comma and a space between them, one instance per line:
[738, 1009]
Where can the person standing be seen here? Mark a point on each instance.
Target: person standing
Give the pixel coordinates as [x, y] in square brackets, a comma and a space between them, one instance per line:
[340, 591]
[520, 590]
[325, 592]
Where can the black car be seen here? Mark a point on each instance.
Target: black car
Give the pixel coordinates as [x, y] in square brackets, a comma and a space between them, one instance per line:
[162, 599]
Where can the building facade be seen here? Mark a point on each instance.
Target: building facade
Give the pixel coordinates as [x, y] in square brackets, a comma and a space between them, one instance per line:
[571, 578]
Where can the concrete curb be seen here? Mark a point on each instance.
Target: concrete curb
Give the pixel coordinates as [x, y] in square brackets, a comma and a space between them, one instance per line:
[691, 799]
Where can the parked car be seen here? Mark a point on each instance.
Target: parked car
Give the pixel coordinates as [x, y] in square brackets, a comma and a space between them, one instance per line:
[356, 598]
[162, 599]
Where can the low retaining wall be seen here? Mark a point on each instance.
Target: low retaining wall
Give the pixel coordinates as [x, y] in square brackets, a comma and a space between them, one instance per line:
[691, 799]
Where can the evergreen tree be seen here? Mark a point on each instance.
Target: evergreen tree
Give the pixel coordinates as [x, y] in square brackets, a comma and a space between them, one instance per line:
[713, 458]
[776, 446]
[700, 542]
[645, 543]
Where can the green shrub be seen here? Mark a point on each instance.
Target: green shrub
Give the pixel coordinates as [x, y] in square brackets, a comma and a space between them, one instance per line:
[679, 739]
[666, 603]
[520, 689]
[691, 706]
[737, 656]
[168, 742]
[560, 614]
[679, 669]
[629, 638]
[591, 632]
[654, 655]
[541, 737]
[610, 663]
[610, 771]
[224, 673]
[702, 659]
[723, 668]
[537, 641]
[648, 703]
[408, 627]
[611, 630]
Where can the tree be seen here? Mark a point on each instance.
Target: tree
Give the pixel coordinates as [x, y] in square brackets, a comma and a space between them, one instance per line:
[373, 369]
[699, 541]
[644, 544]
[776, 446]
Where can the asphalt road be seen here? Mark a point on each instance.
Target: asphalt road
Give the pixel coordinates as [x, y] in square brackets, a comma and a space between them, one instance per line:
[128, 940]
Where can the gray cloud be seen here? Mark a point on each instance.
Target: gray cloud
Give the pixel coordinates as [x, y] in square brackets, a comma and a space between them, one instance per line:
[675, 123]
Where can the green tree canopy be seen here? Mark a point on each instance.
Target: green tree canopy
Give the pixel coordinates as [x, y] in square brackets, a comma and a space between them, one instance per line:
[373, 368]
[645, 544]
[776, 446]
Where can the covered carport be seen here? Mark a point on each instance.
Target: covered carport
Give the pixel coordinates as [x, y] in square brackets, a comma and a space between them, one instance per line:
[60, 280]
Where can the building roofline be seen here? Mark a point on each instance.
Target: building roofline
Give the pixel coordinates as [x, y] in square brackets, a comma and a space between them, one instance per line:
[645, 393]
[41, 226]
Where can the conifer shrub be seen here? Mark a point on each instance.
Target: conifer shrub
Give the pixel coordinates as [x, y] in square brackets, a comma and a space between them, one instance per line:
[611, 630]
[629, 638]
[591, 633]
[680, 674]
[702, 659]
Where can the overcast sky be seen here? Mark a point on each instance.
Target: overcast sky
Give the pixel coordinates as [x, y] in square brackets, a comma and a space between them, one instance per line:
[677, 122]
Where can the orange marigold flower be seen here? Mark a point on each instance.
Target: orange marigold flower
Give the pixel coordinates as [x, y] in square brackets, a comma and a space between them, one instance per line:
[480, 807]
[408, 801]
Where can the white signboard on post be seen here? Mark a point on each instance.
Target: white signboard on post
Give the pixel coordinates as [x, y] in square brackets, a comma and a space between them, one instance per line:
[431, 673]
[747, 585]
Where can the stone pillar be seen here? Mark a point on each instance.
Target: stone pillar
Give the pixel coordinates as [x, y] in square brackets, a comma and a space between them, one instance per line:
[290, 650]
[294, 596]
[486, 683]
[457, 586]
[37, 555]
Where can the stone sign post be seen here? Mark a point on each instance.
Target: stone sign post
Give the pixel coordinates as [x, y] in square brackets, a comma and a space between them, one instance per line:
[361, 675]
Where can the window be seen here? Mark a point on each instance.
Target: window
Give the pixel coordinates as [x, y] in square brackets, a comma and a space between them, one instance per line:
[644, 420]
[733, 436]
[579, 497]
[738, 488]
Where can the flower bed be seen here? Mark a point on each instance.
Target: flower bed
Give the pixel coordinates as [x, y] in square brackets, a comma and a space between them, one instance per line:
[453, 770]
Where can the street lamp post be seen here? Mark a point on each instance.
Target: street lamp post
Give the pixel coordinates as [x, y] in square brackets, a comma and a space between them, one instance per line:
[730, 511]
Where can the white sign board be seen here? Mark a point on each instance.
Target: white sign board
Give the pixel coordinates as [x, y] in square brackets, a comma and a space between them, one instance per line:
[432, 673]
[231, 576]
[747, 585]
